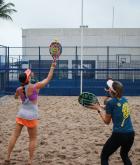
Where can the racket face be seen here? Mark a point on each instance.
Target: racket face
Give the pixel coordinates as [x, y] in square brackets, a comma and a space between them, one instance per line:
[87, 98]
[55, 50]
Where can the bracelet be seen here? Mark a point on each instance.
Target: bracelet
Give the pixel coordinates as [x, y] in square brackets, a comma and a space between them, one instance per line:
[52, 67]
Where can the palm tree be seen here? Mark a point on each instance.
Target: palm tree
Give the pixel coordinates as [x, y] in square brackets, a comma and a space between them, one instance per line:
[6, 10]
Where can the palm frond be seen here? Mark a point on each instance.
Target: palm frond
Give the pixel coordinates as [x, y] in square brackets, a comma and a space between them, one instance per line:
[5, 16]
[1, 2]
[6, 10]
[7, 6]
[10, 11]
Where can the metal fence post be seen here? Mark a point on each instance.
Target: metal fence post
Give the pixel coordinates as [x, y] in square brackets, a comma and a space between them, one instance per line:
[118, 66]
[19, 64]
[39, 63]
[76, 58]
[107, 61]
[8, 69]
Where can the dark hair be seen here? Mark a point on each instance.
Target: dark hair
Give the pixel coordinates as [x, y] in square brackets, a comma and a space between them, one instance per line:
[22, 78]
[118, 87]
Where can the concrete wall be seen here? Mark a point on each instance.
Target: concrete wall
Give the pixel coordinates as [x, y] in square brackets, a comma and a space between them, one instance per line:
[92, 36]
[70, 37]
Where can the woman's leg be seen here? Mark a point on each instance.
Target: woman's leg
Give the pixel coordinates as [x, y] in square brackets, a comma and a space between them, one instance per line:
[125, 148]
[32, 144]
[13, 139]
[109, 148]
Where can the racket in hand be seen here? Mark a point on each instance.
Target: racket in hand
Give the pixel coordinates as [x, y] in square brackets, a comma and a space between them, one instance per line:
[55, 50]
[87, 98]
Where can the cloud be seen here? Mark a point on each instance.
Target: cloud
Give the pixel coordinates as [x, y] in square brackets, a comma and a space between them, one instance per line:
[67, 14]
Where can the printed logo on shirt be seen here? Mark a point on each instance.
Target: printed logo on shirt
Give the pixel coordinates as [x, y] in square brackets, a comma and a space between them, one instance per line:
[126, 113]
[119, 104]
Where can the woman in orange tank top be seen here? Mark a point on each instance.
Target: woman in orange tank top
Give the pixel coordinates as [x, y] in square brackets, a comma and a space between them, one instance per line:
[28, 112]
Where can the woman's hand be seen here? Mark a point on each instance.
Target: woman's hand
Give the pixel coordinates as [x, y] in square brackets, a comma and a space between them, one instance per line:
[96, 106]
[105, 117]
[44, 82]
[53, 65]
[16, 95]
[89, 106]
[102, 106]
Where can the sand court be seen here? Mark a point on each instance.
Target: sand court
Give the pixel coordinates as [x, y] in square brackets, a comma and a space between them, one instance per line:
[68, 134]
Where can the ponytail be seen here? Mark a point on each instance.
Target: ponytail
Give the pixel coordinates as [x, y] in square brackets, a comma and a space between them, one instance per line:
[23, 87]
[22, 80]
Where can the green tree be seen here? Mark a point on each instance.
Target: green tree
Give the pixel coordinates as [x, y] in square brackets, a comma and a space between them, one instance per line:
[6, 9]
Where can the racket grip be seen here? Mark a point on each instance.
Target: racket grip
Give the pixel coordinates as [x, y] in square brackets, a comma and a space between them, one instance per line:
[53, 65]
[54, 59]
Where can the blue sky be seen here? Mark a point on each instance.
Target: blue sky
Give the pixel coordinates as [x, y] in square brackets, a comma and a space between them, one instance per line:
[67, 13]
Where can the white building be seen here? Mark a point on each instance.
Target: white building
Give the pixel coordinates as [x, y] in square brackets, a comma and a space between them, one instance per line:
[92, 36]
[103, 47]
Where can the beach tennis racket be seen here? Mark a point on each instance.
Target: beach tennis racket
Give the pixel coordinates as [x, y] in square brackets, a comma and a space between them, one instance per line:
[55, 50]
[87, 98]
